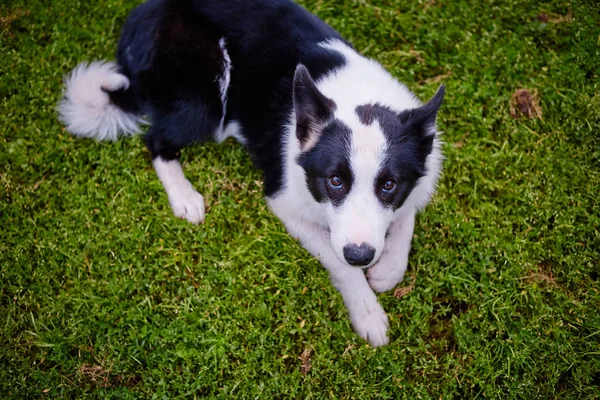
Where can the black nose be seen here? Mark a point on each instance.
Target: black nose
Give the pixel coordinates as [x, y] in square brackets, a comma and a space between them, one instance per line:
[359, 255]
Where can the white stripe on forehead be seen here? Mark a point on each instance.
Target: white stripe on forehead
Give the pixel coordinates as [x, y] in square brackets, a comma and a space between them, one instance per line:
[361, 218]
[367, 150]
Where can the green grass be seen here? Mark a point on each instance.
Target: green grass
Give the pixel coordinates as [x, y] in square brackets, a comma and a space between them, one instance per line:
[104, 294]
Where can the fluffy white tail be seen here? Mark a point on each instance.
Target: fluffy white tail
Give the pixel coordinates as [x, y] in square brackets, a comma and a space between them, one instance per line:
[86, 108]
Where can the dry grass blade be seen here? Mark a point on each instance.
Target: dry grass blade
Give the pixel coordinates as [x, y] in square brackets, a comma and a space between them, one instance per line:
[305, 358]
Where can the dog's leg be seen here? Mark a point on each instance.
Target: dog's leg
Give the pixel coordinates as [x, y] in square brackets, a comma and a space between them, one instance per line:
[185, 201]
[392, 264]
[366, 314]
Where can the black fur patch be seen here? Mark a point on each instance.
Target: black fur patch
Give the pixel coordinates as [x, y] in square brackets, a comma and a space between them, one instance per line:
[169, 49]
[330, 156]
[124, 99]
[173, 64]
[311, 106]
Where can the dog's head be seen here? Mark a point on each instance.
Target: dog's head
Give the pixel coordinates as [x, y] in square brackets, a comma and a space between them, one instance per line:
[361, 164]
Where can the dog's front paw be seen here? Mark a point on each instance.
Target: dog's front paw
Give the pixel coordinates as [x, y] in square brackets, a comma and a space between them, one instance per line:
[384, 276]
[187, 203]
[371, 323]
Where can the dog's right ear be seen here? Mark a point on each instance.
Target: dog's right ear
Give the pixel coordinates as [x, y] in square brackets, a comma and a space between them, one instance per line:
[312, 108]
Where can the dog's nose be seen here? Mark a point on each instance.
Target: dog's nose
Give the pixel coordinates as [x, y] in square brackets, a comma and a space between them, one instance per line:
[358, 255]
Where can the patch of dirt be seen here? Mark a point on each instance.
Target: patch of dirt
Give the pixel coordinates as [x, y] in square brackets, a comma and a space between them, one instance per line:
[565, 381]
[7, 20]
[418, 55]
[98, 376]
[95, 373]
[555, 18]
[429, 3]
[403, 291]
[525, 103]
[543, 273]
[462, 141]
[441, 332]
[445, 308]
[305, 358]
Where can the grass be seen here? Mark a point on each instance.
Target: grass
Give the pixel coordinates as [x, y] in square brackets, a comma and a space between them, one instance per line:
[104, 294]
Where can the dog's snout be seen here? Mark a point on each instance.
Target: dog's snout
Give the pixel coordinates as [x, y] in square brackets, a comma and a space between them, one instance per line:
[358, 255]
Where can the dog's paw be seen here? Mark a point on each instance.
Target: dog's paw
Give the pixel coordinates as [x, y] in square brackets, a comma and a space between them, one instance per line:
[187, 203]
[371, 323]
[383, 277]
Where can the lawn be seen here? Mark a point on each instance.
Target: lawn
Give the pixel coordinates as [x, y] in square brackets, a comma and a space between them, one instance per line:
[104, 294]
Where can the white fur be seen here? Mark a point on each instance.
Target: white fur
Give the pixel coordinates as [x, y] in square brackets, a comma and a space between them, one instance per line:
[234, 130]
[361, 218]
[185, 201]
[363, 81]
[86, 109]
[225, 79]
[366, 314]
[391, 266]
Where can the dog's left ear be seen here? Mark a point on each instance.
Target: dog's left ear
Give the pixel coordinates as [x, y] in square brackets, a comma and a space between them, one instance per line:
[312, 108]
[422, 120]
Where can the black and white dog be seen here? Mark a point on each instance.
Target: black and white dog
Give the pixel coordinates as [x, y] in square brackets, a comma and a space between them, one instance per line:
[349, 154]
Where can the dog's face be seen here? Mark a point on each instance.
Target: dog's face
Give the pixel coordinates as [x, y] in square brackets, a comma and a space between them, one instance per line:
[360, 164]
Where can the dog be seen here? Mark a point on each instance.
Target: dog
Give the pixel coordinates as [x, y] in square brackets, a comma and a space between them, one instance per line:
[349, 155]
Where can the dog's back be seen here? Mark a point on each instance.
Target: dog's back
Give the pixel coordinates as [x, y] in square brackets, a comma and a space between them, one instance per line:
[196, 66]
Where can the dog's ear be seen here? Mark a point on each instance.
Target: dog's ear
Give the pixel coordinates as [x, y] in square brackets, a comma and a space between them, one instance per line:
[312, 108]
[420, 123]
[421, 120]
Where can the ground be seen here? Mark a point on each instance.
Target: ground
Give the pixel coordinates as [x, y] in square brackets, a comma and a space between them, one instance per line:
[104, 294]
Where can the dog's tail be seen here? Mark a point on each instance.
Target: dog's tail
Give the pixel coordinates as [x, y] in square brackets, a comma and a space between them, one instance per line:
[98, 102]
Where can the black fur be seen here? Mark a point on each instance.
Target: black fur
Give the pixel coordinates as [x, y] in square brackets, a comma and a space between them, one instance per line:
[169, 49]
[124, 99]
[330, 156]
[312, 108]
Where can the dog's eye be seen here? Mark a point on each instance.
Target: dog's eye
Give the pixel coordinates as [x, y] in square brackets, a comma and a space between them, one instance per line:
[335, 182]
[389, 186]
